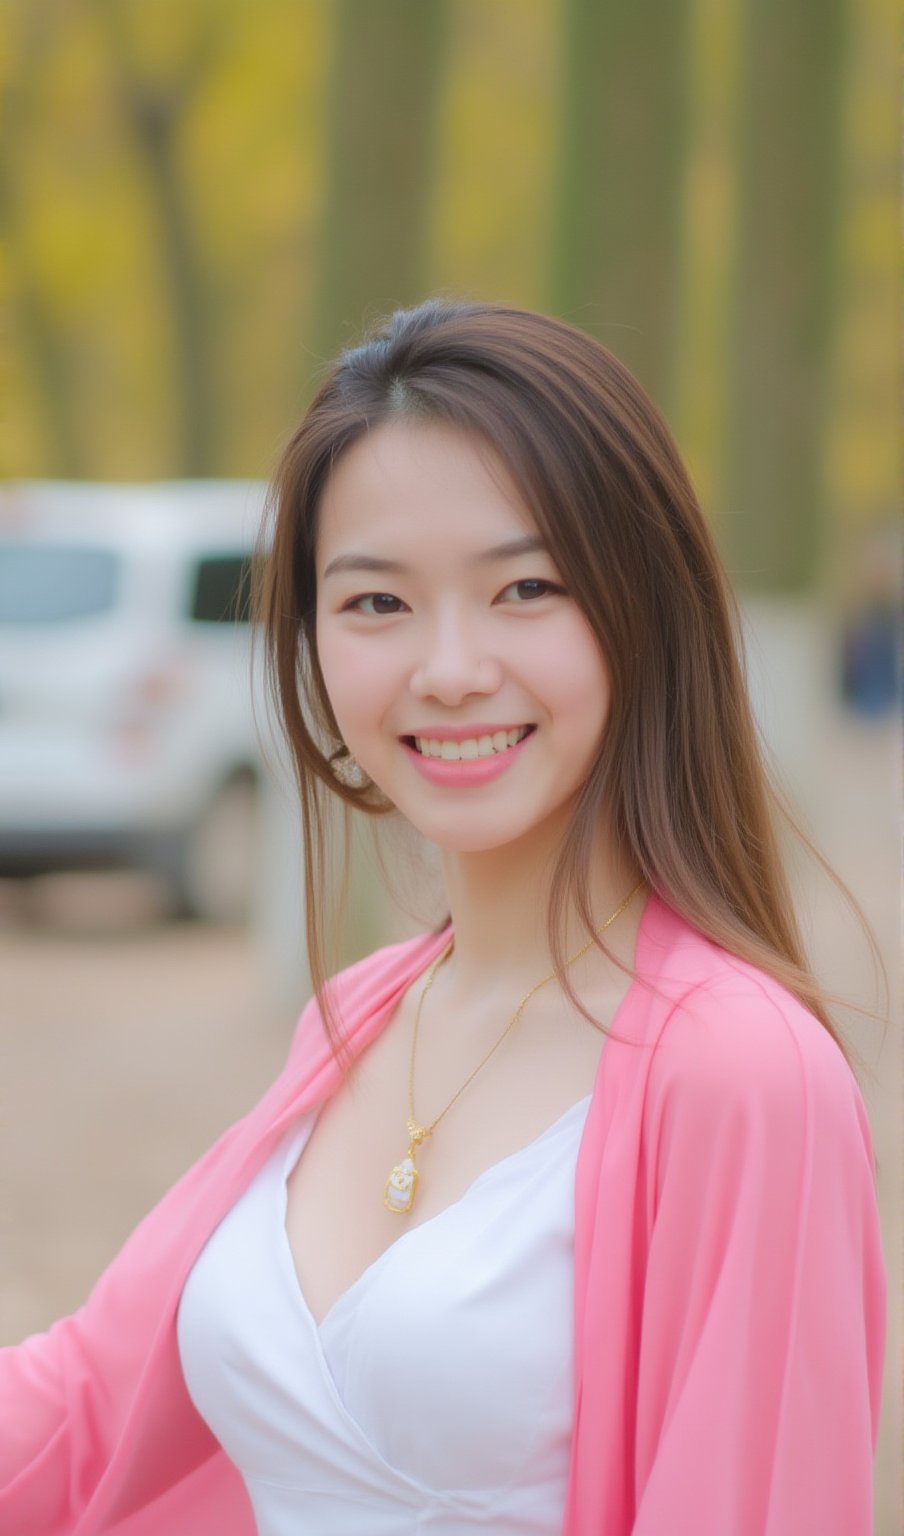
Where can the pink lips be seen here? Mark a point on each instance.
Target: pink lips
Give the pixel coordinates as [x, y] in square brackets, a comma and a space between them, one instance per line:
[478, 770]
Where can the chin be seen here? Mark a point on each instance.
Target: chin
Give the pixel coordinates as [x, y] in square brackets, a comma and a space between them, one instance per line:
[458, 836]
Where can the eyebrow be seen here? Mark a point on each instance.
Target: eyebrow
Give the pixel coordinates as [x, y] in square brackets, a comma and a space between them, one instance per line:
[529, 544]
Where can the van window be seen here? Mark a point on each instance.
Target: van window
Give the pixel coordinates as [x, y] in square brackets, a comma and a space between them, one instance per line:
[55, 583]
[222, 592]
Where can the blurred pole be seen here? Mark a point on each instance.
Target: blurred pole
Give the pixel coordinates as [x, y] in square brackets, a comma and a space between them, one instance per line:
[621, 154]
[785, 289]
[387, 57]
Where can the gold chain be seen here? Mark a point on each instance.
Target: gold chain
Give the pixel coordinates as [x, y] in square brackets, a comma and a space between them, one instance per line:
[419, 1132]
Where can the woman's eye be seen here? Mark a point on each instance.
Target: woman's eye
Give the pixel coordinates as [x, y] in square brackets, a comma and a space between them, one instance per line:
[379, 604]
[379, 601]
[532, 589]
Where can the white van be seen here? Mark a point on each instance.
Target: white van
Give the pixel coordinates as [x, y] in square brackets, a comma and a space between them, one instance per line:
[126, 727]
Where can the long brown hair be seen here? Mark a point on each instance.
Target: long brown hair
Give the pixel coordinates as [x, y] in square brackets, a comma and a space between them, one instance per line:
[679, 771]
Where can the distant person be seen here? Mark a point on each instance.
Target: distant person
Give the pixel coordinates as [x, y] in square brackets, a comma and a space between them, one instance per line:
[561, 1216]
[871, 637]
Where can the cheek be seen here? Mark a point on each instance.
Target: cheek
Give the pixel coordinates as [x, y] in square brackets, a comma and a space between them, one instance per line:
[356, 678]
[576, 677]
[336, 676]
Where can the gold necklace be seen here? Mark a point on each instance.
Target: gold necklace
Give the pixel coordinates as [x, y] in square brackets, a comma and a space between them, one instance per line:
[401, 1186]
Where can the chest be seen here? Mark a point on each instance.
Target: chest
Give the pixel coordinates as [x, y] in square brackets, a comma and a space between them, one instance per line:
[437, 1388]
[336, 1220]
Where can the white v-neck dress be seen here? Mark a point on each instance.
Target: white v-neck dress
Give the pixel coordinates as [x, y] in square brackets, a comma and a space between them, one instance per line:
[436, 1394]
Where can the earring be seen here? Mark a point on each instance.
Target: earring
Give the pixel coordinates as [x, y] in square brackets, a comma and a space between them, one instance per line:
[348, 770]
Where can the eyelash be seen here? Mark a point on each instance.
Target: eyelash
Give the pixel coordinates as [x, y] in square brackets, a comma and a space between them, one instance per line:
[354, 603]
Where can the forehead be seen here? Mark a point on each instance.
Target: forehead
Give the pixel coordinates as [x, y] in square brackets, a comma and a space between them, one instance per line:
[407, 484]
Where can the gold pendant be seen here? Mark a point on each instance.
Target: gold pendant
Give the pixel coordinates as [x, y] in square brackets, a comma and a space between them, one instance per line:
[401, 1186]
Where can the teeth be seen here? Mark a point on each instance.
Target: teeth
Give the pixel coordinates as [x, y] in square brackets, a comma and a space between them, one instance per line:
[473, 747]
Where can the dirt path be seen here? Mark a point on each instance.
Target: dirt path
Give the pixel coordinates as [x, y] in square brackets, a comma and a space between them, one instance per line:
[124, 1056]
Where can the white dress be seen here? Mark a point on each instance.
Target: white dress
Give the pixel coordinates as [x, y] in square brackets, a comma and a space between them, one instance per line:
[436, 1394]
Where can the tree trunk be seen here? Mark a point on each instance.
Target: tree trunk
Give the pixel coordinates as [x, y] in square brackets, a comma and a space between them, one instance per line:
[154, 112]
[379, 159]
[784, 290]
[621, 155]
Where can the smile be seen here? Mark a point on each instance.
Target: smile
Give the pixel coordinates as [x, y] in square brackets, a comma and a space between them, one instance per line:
[470, 763]
[472, 747]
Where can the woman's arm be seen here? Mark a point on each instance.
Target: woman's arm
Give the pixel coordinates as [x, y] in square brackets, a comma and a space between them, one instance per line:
[764, 1300]
[107, 1382]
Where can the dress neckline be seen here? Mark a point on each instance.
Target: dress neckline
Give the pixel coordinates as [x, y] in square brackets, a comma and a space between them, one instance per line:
[296, 1144]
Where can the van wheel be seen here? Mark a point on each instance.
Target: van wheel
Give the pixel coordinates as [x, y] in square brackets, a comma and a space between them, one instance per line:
[218, 866]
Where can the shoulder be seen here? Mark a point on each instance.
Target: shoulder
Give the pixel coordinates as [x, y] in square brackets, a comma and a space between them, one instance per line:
[385, 969]
[363, 989]
[738, 1046]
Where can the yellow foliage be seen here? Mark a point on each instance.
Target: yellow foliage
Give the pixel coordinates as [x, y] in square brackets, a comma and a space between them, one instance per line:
[239, 93]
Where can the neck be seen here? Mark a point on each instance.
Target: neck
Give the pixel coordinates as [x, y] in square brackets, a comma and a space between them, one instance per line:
[499, 901]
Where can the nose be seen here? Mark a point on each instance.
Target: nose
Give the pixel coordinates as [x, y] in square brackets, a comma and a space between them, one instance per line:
[454, 662]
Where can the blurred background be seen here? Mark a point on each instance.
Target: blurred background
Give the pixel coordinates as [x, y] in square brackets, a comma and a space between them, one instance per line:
[201, 201]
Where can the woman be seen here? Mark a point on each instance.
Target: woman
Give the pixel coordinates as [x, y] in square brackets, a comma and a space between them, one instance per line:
[561, 1217]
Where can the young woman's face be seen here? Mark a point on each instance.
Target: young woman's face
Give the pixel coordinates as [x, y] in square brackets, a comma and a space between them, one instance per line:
[429, 631]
